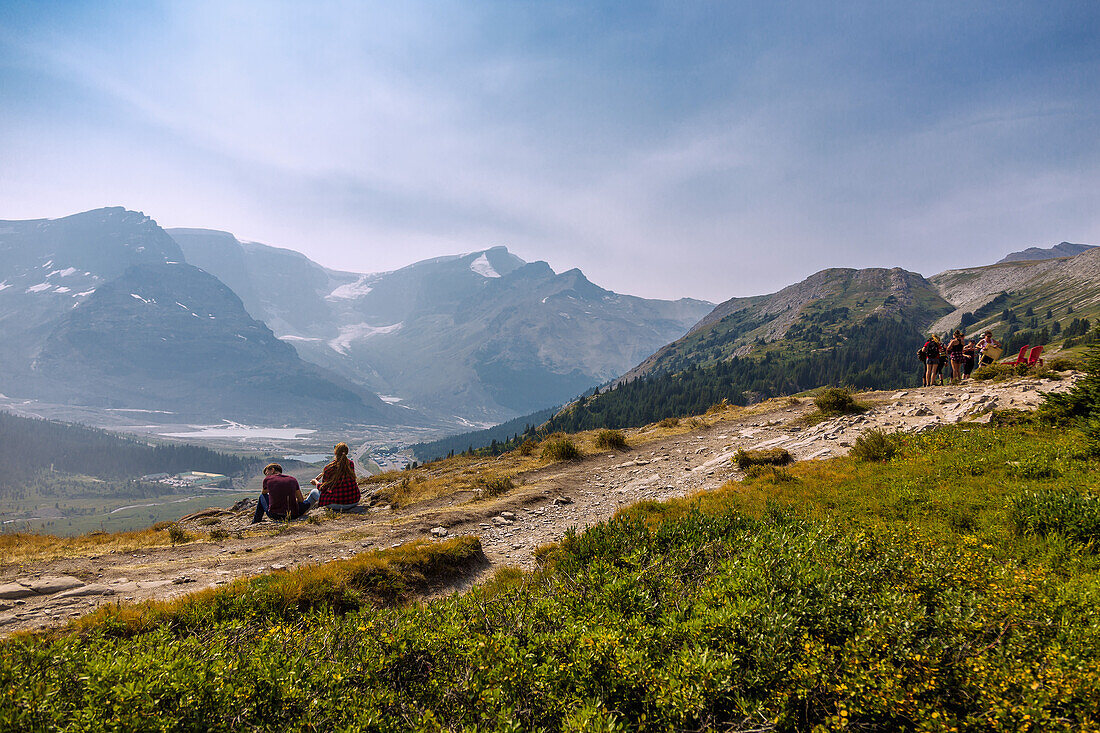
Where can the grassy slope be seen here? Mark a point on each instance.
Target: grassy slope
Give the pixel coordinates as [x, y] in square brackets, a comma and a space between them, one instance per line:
[884, 596]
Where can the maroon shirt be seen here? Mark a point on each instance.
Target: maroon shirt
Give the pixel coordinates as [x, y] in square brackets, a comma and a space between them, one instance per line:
[282, 495]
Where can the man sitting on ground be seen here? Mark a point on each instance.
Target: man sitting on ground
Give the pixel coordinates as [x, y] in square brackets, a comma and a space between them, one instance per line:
[282, 497]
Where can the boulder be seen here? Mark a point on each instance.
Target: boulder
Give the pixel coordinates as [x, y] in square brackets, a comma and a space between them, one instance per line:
[12, 591]
[54, 584]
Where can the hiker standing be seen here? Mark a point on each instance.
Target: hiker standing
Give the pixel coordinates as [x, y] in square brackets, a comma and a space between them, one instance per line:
[987, 342]
[930, 355]
[970, 351]
[955, 353]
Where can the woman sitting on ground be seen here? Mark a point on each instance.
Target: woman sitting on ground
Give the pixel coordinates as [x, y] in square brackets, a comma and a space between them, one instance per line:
[337, 482]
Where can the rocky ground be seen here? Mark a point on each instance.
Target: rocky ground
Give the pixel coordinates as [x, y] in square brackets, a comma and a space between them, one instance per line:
[546, 504]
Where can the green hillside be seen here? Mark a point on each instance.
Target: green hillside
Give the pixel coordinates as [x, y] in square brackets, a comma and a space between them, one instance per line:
[815, 314]
[841, 327]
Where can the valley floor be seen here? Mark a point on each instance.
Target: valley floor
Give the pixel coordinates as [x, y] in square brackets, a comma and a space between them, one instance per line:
[545, 504]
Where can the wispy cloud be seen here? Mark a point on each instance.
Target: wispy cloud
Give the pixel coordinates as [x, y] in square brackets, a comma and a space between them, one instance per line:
[667, 150]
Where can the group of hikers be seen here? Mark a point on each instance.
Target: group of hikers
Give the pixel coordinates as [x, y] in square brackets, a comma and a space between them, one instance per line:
[961, 353]
[336, 487]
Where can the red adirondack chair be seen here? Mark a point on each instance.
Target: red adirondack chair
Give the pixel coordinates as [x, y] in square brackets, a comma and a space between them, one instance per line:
[1022, 357]
[1034, 358]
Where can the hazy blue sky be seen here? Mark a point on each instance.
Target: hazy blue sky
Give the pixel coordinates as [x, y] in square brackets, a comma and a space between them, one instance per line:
[705, 149]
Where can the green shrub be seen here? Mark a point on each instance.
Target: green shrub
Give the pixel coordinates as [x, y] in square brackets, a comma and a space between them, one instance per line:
[560, 448]
[669, 422]
[527, 447]
[1034, 467]
[485, 488]
[611, 439]
[1079, 405]
[1011, 416]
[993, 372]
[209, 521]
[771, 457]
[718, 406]
[178, 535]
[1062, 363]
[874, 446]
[773, 474]
[1071, 513]
[219, 534]
[837, 401]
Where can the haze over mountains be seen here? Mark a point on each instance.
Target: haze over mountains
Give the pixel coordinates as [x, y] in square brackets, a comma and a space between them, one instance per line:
[105, 308]
[1062, 249]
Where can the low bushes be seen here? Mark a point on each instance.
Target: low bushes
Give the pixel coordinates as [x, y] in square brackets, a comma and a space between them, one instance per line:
[772, 457]
[864, 597]
[773, 474]
[1071, 513]
[560, 447]
[999, 372]
[836, 401]
[697, 623]
[179, 536]
[611, 440]
[874, 446]
[485, 488]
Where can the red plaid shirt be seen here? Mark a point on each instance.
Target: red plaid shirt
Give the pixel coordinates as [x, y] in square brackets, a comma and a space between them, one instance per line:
[345, 491]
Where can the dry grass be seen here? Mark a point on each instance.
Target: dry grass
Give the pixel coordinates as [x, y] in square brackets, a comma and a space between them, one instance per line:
[377, 577]
[23, 547]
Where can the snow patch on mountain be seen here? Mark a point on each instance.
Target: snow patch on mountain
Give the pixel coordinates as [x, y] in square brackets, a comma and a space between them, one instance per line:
[482, 267]
[5, 285]
[359, 332]
[39, 287]
[351, 291]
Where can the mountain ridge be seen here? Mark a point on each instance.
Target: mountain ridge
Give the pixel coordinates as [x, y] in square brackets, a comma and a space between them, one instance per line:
[483, 335]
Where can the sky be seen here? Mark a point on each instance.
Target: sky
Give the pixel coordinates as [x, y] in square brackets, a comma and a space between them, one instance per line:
[667, 149]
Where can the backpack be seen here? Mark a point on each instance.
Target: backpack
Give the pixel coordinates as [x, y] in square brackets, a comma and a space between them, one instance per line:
[929, 351]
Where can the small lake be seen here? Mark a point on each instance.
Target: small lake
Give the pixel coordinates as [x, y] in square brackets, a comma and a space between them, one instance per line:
[309, 457]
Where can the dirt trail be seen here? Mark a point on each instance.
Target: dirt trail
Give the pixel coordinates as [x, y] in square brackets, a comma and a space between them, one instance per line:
[550, 501]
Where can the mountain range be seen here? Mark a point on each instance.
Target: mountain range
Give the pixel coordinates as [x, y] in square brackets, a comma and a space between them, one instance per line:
[106, 308]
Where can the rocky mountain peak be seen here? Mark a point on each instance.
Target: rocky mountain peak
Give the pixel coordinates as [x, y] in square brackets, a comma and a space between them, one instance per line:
[1062, 249]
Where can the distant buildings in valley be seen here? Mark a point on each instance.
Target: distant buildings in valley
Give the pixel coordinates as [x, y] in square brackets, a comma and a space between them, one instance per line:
[189, 479]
